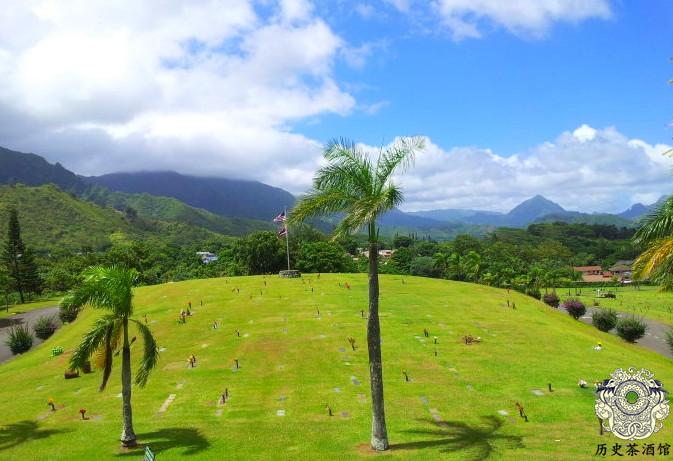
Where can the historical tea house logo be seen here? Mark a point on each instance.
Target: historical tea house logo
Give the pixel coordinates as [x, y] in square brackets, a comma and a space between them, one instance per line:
[632, 404]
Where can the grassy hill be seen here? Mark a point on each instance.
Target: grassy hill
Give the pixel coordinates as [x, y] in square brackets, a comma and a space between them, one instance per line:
[52, 219]
[297, 361]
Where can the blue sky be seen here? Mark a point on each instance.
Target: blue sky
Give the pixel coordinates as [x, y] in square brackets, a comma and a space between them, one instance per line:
[564, 98]
[509, 92]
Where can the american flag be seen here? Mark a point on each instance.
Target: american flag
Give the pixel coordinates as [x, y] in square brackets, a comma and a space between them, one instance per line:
[282, 231]
[280, 218]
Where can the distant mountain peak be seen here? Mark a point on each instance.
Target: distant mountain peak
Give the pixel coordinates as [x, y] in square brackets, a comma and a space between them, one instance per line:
[638, 210]
[532, 209]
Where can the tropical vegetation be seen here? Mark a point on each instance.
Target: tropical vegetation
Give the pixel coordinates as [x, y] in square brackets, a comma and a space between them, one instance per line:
[111, 289]
[360, 187]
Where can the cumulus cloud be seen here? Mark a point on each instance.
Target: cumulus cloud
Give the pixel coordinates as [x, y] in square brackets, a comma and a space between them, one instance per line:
[469, 18]
[213, 88]
[587, 169]
[201, 87]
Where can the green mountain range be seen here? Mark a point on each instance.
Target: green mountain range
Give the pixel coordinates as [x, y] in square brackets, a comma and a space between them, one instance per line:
[77, 211]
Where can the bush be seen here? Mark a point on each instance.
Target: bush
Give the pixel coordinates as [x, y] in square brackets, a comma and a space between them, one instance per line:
[45, 326]
[68, 313]
[551, 299]
[575, 308]
[534, 292]
[604, 319]
[669, 339]
[631, 329]
[20, 339]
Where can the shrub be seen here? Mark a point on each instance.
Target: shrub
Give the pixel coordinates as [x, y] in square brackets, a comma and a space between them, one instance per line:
[669, 339]
[534, 292]
[68, 313]
[551, 299]
[575, 308]
[20, 339]
[604, 319]
[45, 326]
[631, 329]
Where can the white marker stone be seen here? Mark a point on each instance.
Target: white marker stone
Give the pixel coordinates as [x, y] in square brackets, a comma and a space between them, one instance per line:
[166, 403]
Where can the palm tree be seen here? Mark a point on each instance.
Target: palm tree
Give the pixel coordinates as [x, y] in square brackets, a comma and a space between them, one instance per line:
[656, 237]
[441, 262]
[353, 184]
[111, 288]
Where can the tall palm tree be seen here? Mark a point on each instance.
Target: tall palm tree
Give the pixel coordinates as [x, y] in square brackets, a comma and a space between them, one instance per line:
[111, 288]
[656, 237]
[361, 188]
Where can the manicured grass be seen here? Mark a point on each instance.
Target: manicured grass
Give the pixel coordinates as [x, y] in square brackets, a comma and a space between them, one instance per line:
[21, 308]
[645, 301]
[286, 350]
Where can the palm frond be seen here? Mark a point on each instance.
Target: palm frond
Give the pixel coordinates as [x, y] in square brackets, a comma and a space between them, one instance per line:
[105, 288]
[150, 354]
[656, 260]
[110, 345]
[317, 203]
[92, 341]
[352, 185]
[349, 168]
[656, 225]
[399, 156]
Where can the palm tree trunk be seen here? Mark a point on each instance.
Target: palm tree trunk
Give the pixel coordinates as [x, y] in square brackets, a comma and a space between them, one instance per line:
[128, 437]
[379, 433]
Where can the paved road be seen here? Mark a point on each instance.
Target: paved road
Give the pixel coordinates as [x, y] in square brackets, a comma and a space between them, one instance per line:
[27, 318]
[654, 339]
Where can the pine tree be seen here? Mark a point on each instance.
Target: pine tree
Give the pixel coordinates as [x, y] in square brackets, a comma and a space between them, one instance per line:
[12, 253]
[31, 277]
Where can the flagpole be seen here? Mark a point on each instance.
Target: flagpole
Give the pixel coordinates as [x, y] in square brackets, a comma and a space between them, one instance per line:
[287, 241]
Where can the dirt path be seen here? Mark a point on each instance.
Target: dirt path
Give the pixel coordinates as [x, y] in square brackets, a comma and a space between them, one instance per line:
[27, 318]
[654, 339]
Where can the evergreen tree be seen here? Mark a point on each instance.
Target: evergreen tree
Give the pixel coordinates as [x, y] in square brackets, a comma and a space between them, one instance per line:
[12, 252]
[32, 281]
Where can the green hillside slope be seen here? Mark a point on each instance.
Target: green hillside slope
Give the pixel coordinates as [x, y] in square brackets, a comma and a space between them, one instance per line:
[458, 404]
[170, 209]
[54, 220]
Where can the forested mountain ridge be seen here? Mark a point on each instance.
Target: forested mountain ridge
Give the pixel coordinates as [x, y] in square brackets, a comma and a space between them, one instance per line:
[222, 196]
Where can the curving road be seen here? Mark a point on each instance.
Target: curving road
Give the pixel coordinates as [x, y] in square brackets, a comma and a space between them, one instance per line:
[655, 336]
[27, 318]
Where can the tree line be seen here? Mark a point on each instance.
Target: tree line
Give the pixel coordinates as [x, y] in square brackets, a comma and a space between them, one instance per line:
[541, 255]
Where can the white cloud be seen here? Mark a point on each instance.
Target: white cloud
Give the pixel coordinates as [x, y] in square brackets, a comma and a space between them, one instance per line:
[296, 10]
[468, 18]
[206, 87]
[365, 10]
[604, 172]
[212, 88]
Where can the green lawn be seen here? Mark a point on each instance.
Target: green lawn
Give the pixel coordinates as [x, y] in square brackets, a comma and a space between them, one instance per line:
[291, 360]
[645, 301]
[21, 308]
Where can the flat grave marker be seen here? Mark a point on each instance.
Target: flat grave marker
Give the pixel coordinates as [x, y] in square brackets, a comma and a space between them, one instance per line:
[166, 403]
